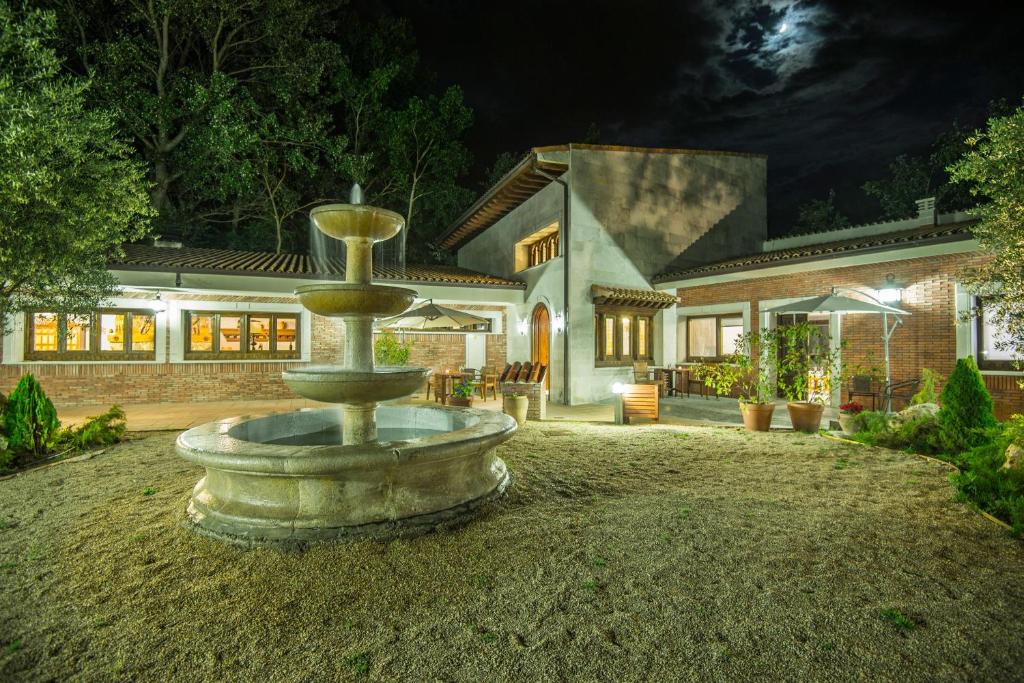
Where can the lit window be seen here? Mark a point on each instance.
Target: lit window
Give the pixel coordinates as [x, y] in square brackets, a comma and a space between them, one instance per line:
[230, 336]
[702, 338]
[995, 352]
[622, 336]
[286, 334]
[112, 332]
[538, 248]
[732, 330]
[201, 333]
[143, 332]
[230, 333]
[44, 332]
[259, 334]
[99, 336]
[714, 336]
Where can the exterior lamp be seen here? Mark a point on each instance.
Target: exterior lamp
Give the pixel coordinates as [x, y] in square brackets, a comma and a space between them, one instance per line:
[890, 295]
[158, 305]
[559, 323]
[522, 326]
[618, 388]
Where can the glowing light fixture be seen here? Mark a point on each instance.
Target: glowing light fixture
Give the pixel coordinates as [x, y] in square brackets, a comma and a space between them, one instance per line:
[618, 388]
[890, 295]
[158, 305]
[559, 323]
[522, 326]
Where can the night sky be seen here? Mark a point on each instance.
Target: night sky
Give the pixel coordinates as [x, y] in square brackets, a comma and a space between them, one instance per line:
[831, 92]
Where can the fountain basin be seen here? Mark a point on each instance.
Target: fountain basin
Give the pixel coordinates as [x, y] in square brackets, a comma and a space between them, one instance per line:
[337, 299]
[338, 384]
[359, 221]
[278, 479]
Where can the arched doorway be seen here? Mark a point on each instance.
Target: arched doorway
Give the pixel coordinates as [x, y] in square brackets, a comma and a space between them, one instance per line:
[540, 340]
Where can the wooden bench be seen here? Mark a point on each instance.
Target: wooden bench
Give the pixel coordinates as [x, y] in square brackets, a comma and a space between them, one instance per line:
[640, 400]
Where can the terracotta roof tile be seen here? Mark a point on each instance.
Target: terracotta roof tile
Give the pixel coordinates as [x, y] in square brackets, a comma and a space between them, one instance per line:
[813, 252]
[620, 296]
[230, 261]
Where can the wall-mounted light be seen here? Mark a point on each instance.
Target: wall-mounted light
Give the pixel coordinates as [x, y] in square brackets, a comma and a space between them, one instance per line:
[889, 295]
[559, 323]
[618, 388]
[158, 305]
[522, 326]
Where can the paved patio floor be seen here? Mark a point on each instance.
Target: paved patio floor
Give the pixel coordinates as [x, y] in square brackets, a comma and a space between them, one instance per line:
[151, 417]
[725, 411]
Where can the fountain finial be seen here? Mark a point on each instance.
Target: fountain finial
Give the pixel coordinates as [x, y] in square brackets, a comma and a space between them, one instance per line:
[355, 195]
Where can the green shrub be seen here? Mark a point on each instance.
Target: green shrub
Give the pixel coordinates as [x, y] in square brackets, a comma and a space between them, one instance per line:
[927, 392]
[30, 420]
[917, 435]
[984, 482]
[966, 413]
[388, 350]
[101, 430]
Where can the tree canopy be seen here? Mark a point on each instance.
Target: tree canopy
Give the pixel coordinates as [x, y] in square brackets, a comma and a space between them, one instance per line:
[993, 171]
[247, 113]
[70, 194]
[820, 215]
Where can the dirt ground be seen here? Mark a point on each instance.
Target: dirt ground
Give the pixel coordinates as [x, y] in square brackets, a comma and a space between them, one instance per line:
[619, 554]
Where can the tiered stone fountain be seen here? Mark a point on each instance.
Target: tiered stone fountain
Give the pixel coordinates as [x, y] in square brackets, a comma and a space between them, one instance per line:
[362, 469]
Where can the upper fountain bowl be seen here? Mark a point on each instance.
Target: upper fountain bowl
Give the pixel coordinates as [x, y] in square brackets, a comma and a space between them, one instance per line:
[356, 220]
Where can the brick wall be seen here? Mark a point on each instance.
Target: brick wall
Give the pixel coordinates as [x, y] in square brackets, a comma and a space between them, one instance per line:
[126, 383]
[927, 338]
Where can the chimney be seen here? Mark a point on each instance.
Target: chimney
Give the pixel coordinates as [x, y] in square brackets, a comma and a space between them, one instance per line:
[926, 211]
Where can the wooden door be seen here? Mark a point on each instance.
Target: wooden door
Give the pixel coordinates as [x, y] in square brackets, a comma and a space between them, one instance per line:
[540, 339]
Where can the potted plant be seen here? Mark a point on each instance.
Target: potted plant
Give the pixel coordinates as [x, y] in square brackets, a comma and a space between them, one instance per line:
[750, 377]
[516, 404]
[462, 394]
[807, 352]
[848, 413]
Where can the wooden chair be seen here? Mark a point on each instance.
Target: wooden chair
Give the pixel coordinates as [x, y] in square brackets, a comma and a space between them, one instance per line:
[524, 372]
[863, 386]
[503, 377]
[488, 380]
[641, 371]
[640, 401]
[439, 380]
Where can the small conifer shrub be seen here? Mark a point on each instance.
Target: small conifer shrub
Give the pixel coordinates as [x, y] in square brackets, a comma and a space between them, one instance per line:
[30, 420]
[966, 415]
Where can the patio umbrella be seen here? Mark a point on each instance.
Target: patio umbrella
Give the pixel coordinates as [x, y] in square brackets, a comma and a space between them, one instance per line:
[433, 317]
[836, 303]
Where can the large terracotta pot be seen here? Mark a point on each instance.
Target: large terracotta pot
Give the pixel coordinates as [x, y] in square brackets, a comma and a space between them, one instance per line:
[806, 417]
[757, 417]
[517, 407]
[848, 422]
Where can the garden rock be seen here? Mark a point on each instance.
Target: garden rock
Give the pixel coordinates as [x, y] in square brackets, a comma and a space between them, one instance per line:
[1014, 457]
[920, 410]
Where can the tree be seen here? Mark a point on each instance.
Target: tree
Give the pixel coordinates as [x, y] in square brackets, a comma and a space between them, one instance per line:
[820, 215]
[993, 171]
[503, 163]
[194, 83]
[426, 157]
[966, 411]
[909, 180]
[70, 195]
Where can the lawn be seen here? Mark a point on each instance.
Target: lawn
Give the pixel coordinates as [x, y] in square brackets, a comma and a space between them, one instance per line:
[619, 553]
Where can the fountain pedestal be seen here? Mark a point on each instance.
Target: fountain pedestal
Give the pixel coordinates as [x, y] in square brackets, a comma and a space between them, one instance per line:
[358, 469]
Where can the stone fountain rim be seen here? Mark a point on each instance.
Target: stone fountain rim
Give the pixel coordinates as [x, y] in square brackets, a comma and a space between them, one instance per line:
[212, 445]
[358, 208]
[337, 372]
[353, 286]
